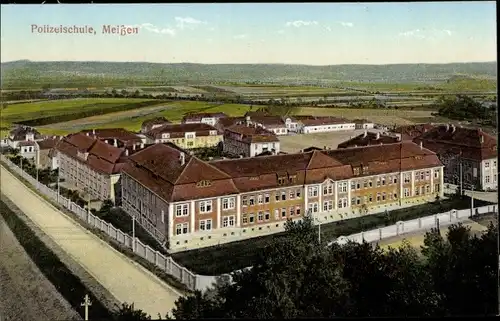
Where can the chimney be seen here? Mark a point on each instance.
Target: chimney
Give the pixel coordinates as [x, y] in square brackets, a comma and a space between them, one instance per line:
[378, 136]
[365, 133]
[247, 119]
[241, 156]
[481, 139]
[133, 147]
[54, 137]
[421, 147]
[325, 148]
[87, 134]
[93, 131]
[142, 145]
[453, 128]
[447, 127]
[115, 142]
[126, 152]
[182, 158]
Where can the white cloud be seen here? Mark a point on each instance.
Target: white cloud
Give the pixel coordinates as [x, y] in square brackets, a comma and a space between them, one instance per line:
[187, 22]
[301, 23]
[425, 33]
[346, 24]
[152, 28]
[240, 36]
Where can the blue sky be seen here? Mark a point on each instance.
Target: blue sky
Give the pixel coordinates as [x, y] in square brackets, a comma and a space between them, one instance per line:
[314, 34]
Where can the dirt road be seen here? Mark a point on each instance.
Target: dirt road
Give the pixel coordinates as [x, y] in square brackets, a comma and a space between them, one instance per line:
[126, 280]
[25, 293]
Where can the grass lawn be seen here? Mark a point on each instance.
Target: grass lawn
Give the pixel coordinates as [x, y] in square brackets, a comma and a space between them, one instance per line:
[226, 258]
[27, 111]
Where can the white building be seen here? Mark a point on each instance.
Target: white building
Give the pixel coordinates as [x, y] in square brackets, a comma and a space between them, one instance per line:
[22, 134]
[203, 118]
[249, 141]
[325, 124]
[364, 124]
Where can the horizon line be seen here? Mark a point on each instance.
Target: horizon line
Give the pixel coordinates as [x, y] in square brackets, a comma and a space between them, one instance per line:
[254, 63]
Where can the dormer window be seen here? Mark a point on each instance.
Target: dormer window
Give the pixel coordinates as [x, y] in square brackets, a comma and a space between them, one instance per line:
[282, 179]
[356, 171]
[365, 170]
[213, 133]
[204, 183]
[82, 155]
[165, 135]
[293, 178]
[419, 157]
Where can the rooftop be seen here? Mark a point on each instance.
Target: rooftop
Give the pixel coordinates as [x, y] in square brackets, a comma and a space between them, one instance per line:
[123, 135]
[200, 116]
[369, 138]
[155, 121]
[252, 134]
[177, 178]
[179, 130]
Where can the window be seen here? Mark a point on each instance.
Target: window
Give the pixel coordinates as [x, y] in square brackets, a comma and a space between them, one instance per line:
[417, 191]
[327, 206]
[312, 191]
[378, 197]
[283, 196]
[436, 173]
[260, 216]
[370, 198]
[343, 187]
[292, 211]
[487, 178]
[427, 175]
[378, 181]
[244, 201]
[487, 164]
[297, 210]
[277, 196]
[292, 194]
[313, 207]
[436, 188]
[383, 180]
[297, 193]
[251, 201]
[358, 201]
[342, 203]
[260, 199]
[190, 144]
[422, 175]
[395, 180]
[266, 198]
[427, 189]
[276, 214]
[494, 163]
[228, 221]
[353, 185]
[181, 210]
[328, 189]
[228, 203]
[383, 196]
[181, 228]
[206, 225]
[283, 212]
[206, 206]
[245, 218]
[370, 183]
[267, 215]
[407, 192]
[406, 178]
[251, 218]
[395, 196]
[190, 136]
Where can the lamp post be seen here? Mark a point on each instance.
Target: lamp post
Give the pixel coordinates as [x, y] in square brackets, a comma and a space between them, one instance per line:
[133, 233]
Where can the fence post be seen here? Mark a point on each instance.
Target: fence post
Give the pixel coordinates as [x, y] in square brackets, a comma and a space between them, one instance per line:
[362, 237]
[379, 233]
[419, 222]
[168, 265]
[451, 215]
[156, 258]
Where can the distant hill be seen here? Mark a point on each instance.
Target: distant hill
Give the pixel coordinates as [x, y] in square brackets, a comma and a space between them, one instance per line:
[25, 72]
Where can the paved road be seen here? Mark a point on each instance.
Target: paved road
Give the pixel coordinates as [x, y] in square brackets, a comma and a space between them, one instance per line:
[485, 196]
[29, 296]
[126, 280]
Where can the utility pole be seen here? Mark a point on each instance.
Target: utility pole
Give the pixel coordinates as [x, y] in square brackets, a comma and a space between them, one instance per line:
[86, 303]
[133, 233]
[472, 200]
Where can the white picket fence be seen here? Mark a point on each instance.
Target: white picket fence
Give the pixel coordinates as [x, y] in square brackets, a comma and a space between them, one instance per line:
[419, 224]
[201, 282]
[165, 263]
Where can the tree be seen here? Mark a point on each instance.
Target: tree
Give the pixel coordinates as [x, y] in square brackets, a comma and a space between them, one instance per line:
[128, 313]
[295, 277]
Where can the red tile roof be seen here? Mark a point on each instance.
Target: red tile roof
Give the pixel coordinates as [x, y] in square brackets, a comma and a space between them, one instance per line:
[250, 134]
[102, 157]
[409, 132]
[179, 130]
[27, 143]
[369, 139]
[159, 168]
[268, 121]
[49, 143]
[126, 137]
[471, 143]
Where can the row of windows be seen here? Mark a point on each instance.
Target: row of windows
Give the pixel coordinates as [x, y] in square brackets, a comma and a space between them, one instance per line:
[204, 225]
[487, 164]
[250, 218]
[266, 198]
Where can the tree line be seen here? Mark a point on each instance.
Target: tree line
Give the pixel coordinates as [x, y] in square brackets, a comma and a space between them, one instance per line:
[297, 277]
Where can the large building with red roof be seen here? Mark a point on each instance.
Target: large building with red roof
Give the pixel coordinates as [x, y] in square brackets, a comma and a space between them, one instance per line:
[190, 203]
